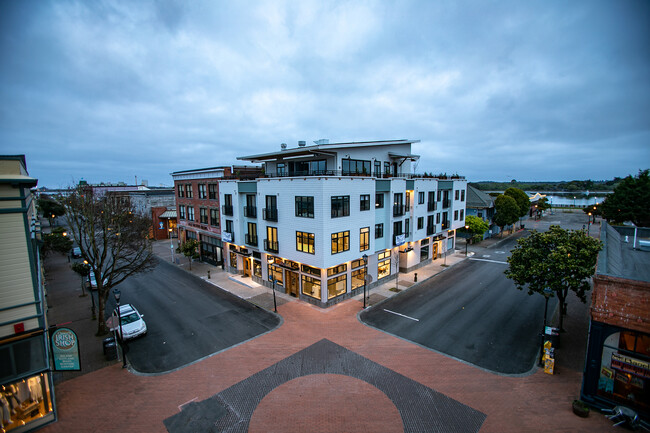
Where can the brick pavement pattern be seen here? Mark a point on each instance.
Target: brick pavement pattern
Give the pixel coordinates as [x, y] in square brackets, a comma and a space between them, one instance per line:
[421, 409]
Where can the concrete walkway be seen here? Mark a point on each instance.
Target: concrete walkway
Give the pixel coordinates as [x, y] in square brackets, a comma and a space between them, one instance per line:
[338, 375]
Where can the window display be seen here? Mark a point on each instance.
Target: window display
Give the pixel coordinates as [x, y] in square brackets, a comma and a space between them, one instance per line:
[24, 402]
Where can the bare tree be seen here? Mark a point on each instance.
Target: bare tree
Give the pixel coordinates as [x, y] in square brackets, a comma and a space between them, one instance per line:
[112, 238]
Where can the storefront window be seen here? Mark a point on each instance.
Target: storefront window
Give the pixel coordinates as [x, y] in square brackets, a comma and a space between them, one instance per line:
[424, 253]
[275, 272]
[383, 266]
[337, 286]
[233, 260]
[358, 277]
[311, 286]
[24, 402]
[257, 268]
[625, 369]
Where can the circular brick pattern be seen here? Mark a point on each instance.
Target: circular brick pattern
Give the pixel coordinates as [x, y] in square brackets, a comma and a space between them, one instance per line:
[323, 403]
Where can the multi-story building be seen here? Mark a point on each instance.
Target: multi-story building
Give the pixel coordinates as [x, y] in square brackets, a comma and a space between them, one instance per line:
[197, 206]
[617, 365]
[323, 217]
[26, 386]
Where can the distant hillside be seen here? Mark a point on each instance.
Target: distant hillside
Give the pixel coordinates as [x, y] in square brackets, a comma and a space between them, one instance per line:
[570, 186]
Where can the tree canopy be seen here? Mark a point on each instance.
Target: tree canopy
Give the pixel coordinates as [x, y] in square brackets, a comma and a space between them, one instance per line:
[50, 208]
[559, 259]
[630, 201]
[477, 227]
[507, 211]
[58, 241]
[189, 249]
[523, 202]
[112, 238]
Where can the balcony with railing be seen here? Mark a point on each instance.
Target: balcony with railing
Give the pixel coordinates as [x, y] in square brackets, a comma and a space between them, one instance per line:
[446, 203]
[431, 206]
[271, 246]
[445, 225]
[227, 210]
[270, 213]
[431, 230]
[398, 210]
[250, 239]
[339, 173]
[250, 211]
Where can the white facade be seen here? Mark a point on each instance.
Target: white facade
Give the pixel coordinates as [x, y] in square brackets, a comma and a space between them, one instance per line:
[320, 209]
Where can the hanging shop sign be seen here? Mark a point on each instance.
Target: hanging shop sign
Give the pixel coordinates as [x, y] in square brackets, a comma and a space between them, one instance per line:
[65, 350]
[631, 365]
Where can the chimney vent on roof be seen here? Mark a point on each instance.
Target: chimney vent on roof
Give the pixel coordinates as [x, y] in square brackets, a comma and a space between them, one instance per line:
[322, 141]
[283, 146]
[302, 143]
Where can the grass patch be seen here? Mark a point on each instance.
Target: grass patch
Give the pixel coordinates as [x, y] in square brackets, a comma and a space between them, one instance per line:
[395, 289]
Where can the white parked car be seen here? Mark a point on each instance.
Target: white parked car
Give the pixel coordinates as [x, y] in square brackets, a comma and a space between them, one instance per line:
[132, 323]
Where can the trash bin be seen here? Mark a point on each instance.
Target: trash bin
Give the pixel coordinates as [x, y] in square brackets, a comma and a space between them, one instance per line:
[110, 348]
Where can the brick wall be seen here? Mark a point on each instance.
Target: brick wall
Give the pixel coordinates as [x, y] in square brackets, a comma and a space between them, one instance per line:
[621, 302]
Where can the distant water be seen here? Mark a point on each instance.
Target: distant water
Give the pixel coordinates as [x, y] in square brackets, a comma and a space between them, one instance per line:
[568, 200]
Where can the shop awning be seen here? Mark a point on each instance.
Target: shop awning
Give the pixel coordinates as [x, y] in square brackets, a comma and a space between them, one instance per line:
[168, 214]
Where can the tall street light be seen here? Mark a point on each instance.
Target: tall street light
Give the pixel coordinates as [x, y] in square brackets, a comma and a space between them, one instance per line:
[275, 305]
[90, 289]
[466, 238]
[117, 294]
[365, 264]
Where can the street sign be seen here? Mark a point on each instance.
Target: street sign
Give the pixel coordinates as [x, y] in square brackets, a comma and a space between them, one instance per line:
[112, 322]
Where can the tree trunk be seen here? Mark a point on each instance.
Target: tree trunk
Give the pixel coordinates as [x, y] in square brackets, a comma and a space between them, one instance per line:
[189, 258]
[102, 329]
[561, 298]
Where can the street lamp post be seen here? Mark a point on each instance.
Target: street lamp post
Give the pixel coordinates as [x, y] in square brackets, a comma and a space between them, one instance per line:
[275, 305]
[547, 294]
[92, 298]
[365, 264]
[466, 239]
[171, 243]
[117, 294]
[588, 222]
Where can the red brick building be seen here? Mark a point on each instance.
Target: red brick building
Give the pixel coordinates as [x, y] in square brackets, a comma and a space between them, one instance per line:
[617, 368]
[198, 208]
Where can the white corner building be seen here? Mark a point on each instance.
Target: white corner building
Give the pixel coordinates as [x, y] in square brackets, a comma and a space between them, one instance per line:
[323, 217]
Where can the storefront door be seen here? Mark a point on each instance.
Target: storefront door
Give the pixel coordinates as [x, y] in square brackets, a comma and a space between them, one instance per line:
[292, 283]
[247, 266]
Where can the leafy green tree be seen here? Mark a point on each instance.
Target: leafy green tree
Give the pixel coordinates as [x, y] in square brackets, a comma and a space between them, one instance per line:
[559, 259]
[112, 238]
[58, 241]
[189, 249]
[507, 211]
[523, 202]
[50, 208]
[476, 227]
[630, 201]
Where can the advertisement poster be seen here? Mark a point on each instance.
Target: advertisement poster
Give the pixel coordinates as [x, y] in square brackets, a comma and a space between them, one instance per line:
[65, 350]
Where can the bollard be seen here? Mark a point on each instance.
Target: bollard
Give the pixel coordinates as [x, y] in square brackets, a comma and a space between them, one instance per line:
[208, 274]
[415, 278]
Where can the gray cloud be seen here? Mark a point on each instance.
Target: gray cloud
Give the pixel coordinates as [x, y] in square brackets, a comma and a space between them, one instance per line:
[495, 90]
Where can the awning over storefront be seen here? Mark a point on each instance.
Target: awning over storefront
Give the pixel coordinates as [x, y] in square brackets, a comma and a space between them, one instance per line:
[168, 214]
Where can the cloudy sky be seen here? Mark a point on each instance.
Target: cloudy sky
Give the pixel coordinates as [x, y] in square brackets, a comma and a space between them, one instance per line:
[530, 90]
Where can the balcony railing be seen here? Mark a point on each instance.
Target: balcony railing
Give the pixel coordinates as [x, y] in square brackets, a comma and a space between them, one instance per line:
[270, 213]
[431, 230]
[250, 239]
[445, 225]
[303, 173]
[431, 206]
[271, 246]
[445, 203]
[398, 210]
[250, 211]
[227, 210]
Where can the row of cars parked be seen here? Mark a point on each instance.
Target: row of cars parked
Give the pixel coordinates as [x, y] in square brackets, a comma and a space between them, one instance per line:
[133, 325]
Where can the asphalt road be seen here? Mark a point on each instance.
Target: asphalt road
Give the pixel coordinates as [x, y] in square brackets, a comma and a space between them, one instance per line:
[471, 312]
[187, 319]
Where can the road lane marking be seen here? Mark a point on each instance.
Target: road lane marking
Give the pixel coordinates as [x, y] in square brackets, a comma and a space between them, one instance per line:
[491, 261]
[399, 314]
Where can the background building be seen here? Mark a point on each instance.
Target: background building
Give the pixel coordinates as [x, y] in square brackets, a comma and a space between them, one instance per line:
[617, 369]
[308, 223]
[197, 206]
[26, 387]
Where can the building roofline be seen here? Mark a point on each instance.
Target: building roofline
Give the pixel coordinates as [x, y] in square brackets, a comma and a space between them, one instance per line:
[307, 150]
